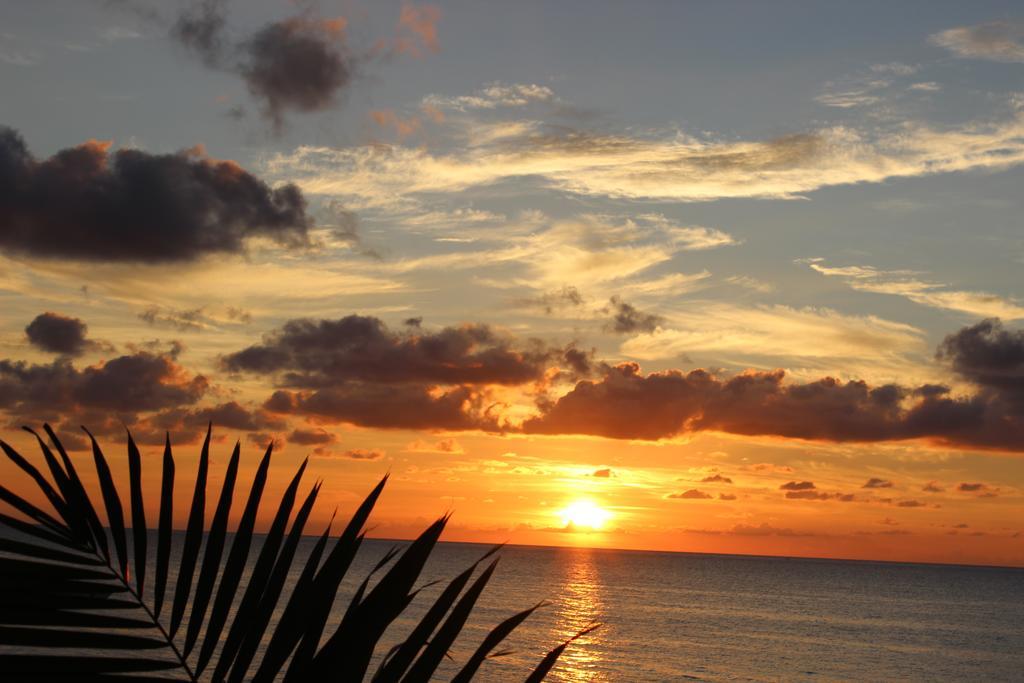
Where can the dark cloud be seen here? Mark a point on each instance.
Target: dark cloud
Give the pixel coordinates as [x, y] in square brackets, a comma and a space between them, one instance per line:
[363, 454]
[716, 478]
[322, 353]
[626, 319]
[910, 504]
[238, 315]
[229, 415]
[604, 473]
[876, 483]
[691, 494]
[809, 495]
[309, 437]
[579, 363]
[976, 487]
[627, 404]
[390, 406]
[550, 302]
[351, 454]
[726, 496]
[86, 203]
[797, 486]
[262, 440]
[193, 319]
[201, 29]
[186, 320]
[298, 64]
[57, 333]
[128, 384]
[804, 493]
[992, 357]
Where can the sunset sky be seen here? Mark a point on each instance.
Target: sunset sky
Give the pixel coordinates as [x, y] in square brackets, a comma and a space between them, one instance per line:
[735, 277]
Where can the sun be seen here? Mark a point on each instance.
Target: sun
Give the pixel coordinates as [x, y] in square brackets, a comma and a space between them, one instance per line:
[584, 514]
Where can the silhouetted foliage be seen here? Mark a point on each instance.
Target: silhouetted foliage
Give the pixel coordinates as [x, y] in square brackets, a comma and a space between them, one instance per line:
[71, 591]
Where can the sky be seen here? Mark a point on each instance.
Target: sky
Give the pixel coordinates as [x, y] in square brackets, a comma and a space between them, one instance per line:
[733, 277]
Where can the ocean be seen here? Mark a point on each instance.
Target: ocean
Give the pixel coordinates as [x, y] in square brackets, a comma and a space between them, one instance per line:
[680, 616]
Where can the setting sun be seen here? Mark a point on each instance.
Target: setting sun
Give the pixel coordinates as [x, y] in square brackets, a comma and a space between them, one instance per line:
[584, 514]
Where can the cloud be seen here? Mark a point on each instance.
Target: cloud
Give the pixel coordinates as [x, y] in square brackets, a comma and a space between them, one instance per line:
[809, 495]
[765, 529]
[550, 302]
[854, 92]
[876, 483]
[911, 504]
[626, 319]
[228, 415]
[767, 467]
[670, 166]
[315, 353]
[692, 494]
[356, 370]
[88, 204]
[419, 24]
[726, 496]
[296, 64]
[182, 320]
[388, 119]
[603, 473]
[975, 487]
[814, 335]
[391, 406]
[905, 283]
[627, 404]
[351, 454]
[442, 446]
[751, 283]
[992, 357]
[128, 384]
[494, 95]
[309, 437]
[932, 487]
[194, 319]
[716, 478]
[1000, 41]
[798, 486]
[57, 333]
[200, 28]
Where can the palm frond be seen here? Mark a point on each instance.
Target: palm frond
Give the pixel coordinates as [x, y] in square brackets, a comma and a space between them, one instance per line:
[69, 607]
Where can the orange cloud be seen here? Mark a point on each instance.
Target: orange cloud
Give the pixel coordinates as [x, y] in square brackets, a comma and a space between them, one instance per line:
[432, 112]
[387, 118]
[421, 22]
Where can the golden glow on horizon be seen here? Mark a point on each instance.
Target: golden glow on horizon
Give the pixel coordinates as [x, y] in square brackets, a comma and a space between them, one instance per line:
[584, 515]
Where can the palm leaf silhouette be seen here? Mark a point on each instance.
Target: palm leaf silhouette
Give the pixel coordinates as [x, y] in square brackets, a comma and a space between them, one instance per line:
[76, 600]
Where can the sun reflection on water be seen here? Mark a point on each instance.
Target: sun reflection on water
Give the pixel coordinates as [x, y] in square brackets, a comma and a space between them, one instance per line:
[580, 605]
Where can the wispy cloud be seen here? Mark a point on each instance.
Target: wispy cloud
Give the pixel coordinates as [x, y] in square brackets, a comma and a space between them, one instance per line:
[670, 165]
[1000, 41]
[583, 251]
[493, 96]
[936, 295]
[806, 336]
